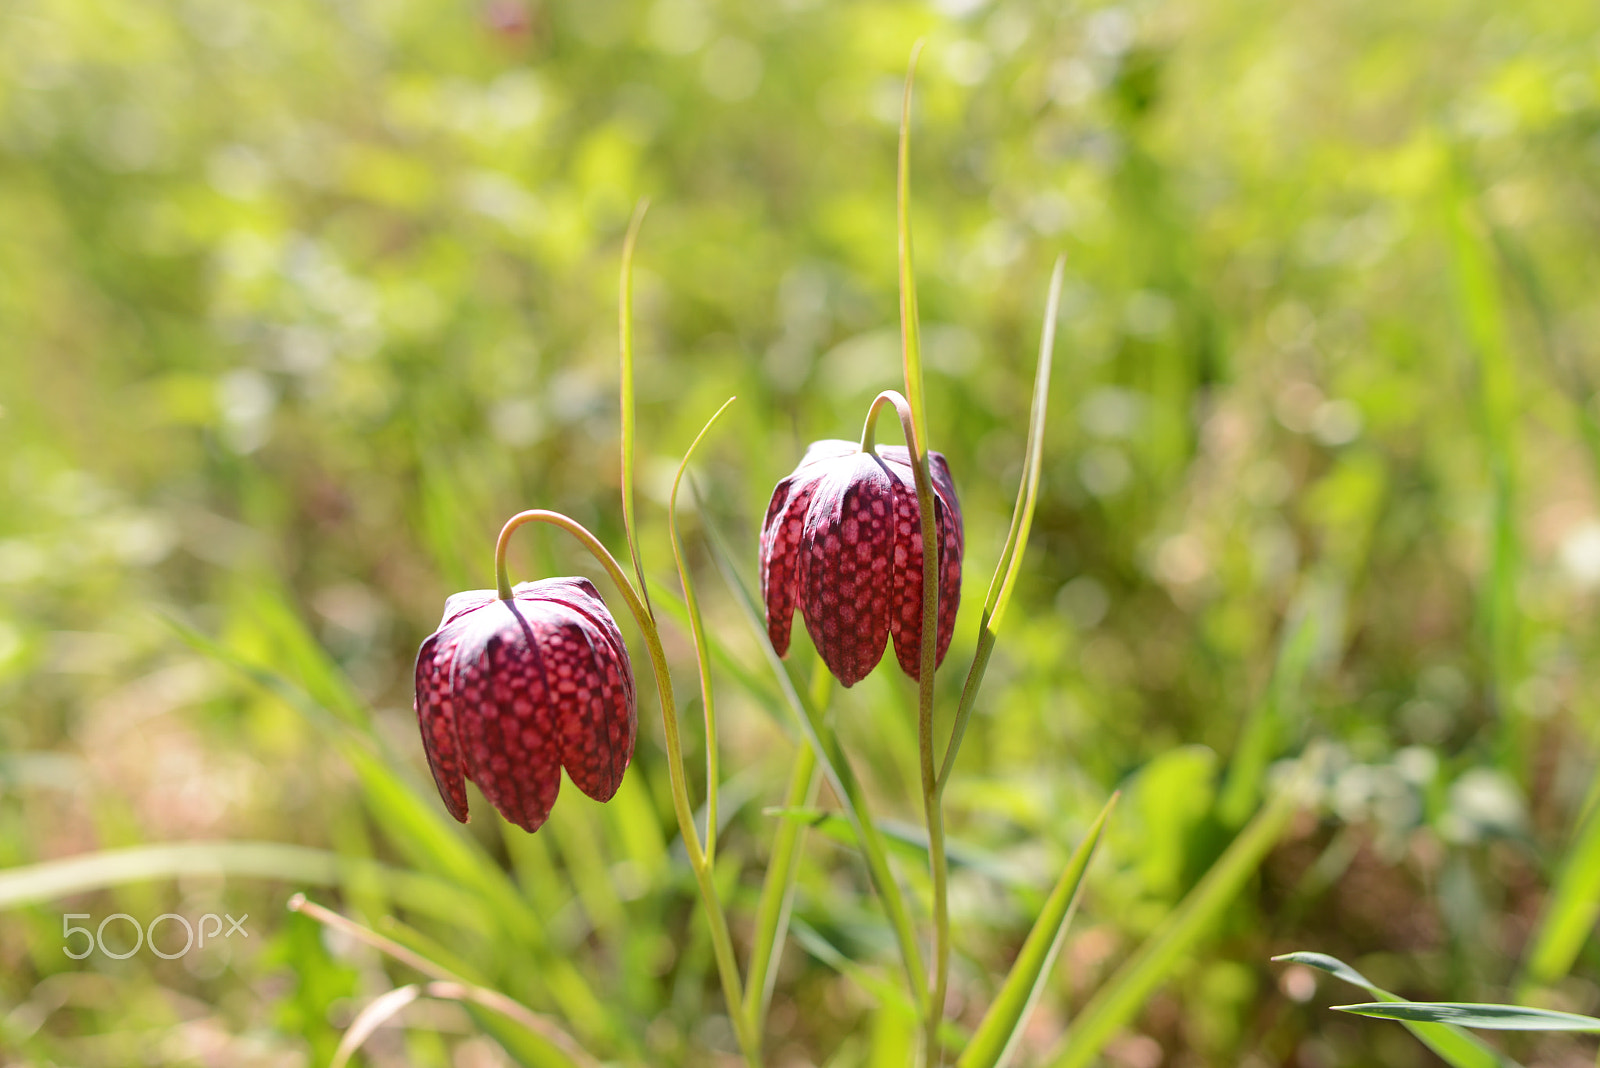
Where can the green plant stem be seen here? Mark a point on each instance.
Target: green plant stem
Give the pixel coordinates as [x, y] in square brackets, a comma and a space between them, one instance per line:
[721, 940]
[702, 650]
[777, 889]
[914, 416]
[833, 763]
[932, 801]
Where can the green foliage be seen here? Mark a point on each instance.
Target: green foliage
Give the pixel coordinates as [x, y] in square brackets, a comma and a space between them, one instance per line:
[301, 300]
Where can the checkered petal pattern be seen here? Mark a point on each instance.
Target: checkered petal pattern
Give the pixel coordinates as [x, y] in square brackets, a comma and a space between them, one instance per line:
[842, 541]
[511, 692]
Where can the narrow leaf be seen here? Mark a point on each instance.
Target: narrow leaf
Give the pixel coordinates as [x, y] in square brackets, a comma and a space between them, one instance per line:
[416, 825]
[888, 995]
[1455, 1046]
[1483, 1017]
[836, 767]
[910, 328]
[1570, 911]
[550, 1038]
[625, 338]
[905, 839]
[697, 630]
[777, 890]
[996, 1037]
[54, 879]
[1116, 1003]
[377, 1013]
[1010, 562]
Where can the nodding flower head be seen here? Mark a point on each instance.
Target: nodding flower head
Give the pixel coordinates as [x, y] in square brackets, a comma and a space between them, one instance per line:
[843, 541]
[511, 691]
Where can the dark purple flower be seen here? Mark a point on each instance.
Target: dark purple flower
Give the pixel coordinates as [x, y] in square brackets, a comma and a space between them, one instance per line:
[843, 541]
[510, 692]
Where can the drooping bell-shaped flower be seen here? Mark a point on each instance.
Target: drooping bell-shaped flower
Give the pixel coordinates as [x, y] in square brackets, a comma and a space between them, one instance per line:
[511, 691]
[843, 541]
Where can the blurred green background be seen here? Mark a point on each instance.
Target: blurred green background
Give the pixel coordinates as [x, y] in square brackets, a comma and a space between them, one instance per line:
[299, 300]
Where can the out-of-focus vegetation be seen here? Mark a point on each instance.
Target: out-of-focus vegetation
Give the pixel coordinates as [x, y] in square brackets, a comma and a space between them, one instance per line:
[299, 300]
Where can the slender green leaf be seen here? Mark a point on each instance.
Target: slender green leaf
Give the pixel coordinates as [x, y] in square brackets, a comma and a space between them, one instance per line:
[414, 823]
[730, 663]
[1569, 912]
[1456, 1047]
[995, 1040]
[1115, 1004]
[625, 340]
[536, 1040]
[1482, 312]
[1010, 562]
[1263, 734]
[777, 890]
[836, 767]
[1482, 1017]
[907, 840]
[910, 328]
[54, 879]
[697, 630]
[887, 994]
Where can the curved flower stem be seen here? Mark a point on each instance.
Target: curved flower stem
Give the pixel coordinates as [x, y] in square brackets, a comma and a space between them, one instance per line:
[932, 808]
[721, 940]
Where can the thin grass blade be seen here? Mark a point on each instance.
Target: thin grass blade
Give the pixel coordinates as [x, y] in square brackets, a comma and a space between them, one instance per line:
[1482, 313]
[1569, 913]
[697, 630]
[1456, 1047]
[1482, 1017]
[995, 1040]
[414, 823]
[836, 767]
[1010, 562]
[777, 890]
[552, 1045]
[910, 328]
[378, 1012]
[52, 879]
[625, 339]
[730, 663]
[904, 839]
[1116, 1003]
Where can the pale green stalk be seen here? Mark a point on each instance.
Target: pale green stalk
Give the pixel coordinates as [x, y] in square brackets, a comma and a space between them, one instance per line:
[777, 888]
[721, 940]
[625, 337]
[697, 629]
[914, 417]
[833, 763]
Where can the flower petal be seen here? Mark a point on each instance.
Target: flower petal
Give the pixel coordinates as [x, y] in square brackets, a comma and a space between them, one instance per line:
[587, 699]
[436, 719]
[619, 699]
[780, 555]
[947, 510]
[505, 717]
[845, 582]
[906, 610]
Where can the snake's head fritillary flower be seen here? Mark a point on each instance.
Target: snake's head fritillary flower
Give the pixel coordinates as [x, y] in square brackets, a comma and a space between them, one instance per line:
[843, 541]
[511, 691]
